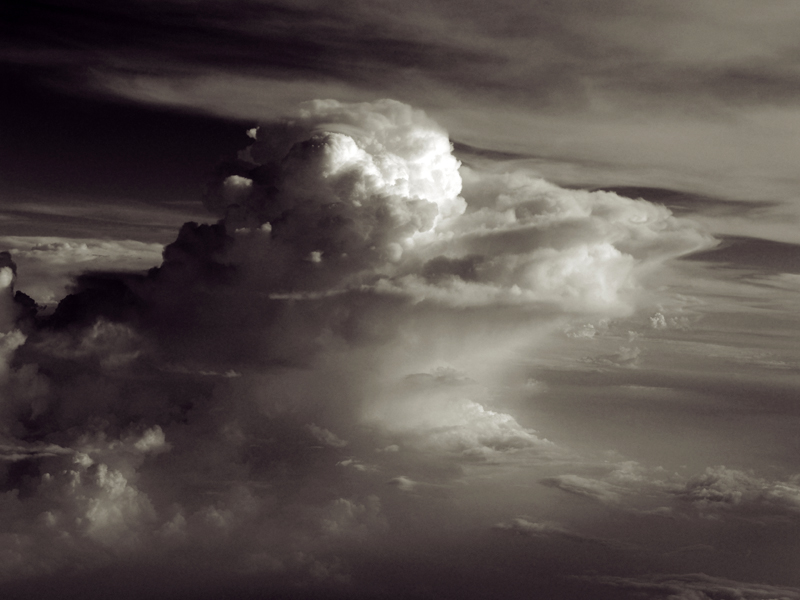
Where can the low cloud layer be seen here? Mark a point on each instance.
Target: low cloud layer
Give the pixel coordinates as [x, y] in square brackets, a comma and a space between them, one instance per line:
[697, 586]
[48, 265]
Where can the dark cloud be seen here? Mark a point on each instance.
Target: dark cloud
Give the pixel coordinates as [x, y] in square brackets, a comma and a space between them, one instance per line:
[601, 491]
[721, 490]
[740, 252]
[537, 53]
[683, 203]
[696, 586]
[524, 526]
[271, 38]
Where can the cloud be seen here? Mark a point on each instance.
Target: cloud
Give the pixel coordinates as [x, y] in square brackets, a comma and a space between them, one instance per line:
[347, 186]
[197, 414]
[404, 484]
[441, 412]
[71, 500]
[526, 241]
[9, 310]
[719, 494]
[545, 530]
[47, 265]
[758, 254]
[626, 356]
[720, 490]
[110, 344]
[594, 489]
[326, 437]
[622, 483]
[697, 586]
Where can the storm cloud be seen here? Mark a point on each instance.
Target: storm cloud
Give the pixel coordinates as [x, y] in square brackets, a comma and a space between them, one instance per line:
[241, 407]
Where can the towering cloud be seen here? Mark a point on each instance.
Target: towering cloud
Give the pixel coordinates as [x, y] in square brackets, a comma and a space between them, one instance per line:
[350, 185]
[347, 310]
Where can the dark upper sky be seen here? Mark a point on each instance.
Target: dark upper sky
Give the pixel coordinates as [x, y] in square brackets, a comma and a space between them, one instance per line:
[61, 150]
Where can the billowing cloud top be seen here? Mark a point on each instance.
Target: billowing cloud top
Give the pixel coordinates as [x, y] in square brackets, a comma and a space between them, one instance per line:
[345, 195]
[345, 182]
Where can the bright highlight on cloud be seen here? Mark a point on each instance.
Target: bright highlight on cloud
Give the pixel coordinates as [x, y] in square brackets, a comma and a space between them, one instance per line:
[348, 184]
[243, 406]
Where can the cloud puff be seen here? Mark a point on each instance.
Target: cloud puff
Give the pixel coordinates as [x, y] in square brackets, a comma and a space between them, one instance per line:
[601, 491]
[326, 437]
[108, 343]
[347, 184]
[441, 411]
[404, 484]
[13, 308]
[626, 356]
[68, 501]
[720, 490]
[11, 304]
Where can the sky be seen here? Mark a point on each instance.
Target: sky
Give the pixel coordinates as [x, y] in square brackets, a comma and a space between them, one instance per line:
[383, 300]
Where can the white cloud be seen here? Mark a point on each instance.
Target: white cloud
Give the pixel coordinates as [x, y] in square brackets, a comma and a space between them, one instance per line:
[355, 182]
[368, 194]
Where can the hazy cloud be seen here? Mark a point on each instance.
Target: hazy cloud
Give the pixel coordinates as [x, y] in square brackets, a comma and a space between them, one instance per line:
[544, 530]
[595, 489]
[721, 490]
[698, 586]
[48, 264]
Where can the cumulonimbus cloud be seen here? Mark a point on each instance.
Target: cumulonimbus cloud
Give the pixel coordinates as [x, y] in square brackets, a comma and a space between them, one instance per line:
[352, 259]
